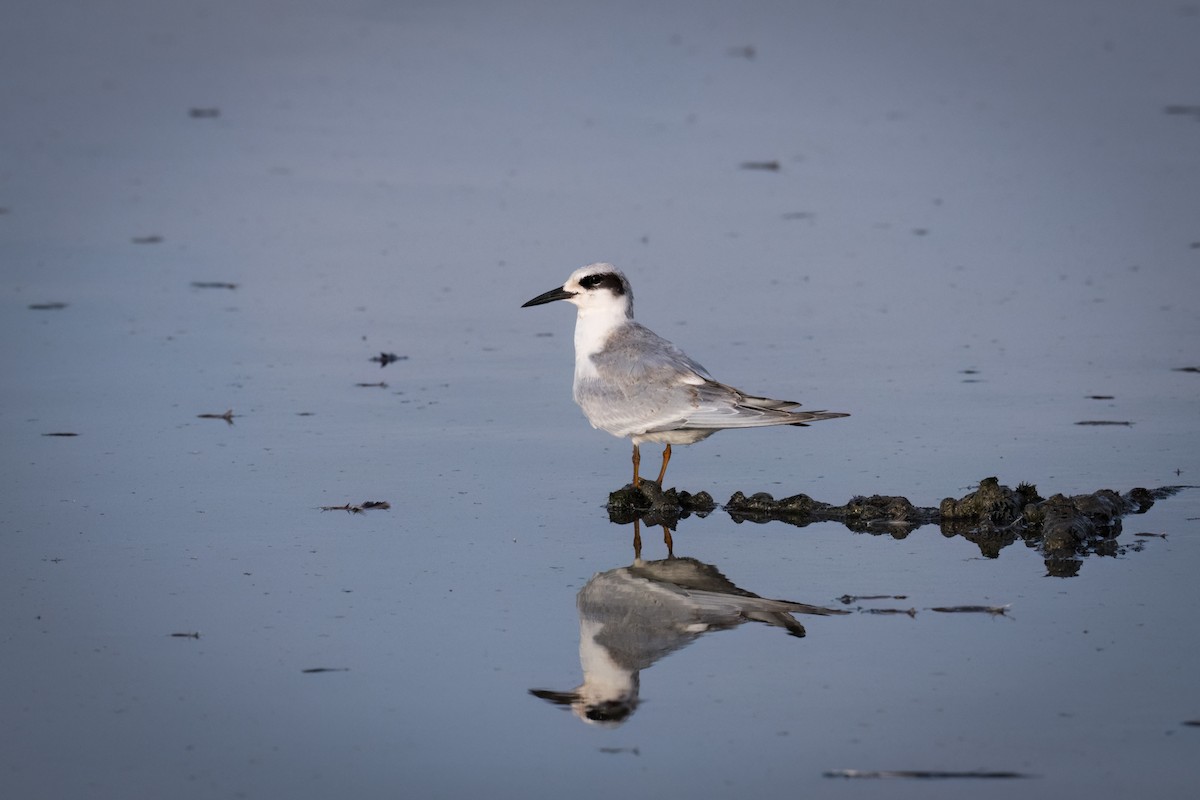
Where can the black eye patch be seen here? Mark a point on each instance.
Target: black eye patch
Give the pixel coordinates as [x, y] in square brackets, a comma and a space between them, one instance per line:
[603, 280]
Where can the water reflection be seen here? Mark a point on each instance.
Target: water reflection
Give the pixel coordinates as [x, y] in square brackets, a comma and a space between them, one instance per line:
[631, 617]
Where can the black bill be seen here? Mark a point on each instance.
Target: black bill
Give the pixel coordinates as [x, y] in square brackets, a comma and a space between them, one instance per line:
[549, 297]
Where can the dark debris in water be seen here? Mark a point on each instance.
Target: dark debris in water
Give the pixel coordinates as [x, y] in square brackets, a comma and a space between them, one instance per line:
[995, 611]
[848, 599]
[993, 516]
[383, 359]
[1183, 110]
[1102, 422]
[227, 416]
[649, 503]
[877, 512]
[1176, 369]
[380, 505]
[315, 670]
[61, 433]
[186, 635]
[612, 751]
[908, 612]
[47, 306]
[922, 774]
[213, 285]
[765, 166]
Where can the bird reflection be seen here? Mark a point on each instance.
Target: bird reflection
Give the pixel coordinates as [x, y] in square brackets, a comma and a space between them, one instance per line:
[631, 617]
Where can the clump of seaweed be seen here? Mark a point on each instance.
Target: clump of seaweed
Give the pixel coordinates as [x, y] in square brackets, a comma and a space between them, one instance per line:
[992, 516]
[650, 503]
[861, 513]
[991, 502]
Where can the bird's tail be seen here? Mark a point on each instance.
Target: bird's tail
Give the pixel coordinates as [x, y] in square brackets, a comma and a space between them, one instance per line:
[767, 403]
[805, 417]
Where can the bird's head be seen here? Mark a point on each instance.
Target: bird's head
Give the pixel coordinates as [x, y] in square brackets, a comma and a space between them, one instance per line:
[596, 288]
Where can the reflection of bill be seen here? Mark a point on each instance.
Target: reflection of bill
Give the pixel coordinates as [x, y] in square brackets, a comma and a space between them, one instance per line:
[631, 617]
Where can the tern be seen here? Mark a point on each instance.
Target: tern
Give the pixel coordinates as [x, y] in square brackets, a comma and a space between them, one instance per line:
[634, 384]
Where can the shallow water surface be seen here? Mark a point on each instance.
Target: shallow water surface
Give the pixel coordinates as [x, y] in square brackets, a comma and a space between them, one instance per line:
[981, 233]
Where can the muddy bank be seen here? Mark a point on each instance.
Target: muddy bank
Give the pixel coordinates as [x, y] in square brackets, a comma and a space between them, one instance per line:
[993, 516]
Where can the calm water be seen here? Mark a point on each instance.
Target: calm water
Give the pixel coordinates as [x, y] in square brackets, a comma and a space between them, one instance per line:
[984, 218]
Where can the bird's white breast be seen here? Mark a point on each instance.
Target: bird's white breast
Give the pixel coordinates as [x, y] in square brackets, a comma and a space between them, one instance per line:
[593, 329]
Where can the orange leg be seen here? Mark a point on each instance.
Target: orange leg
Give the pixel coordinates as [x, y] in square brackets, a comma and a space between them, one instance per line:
[666, 459]
[637, 462]
[669, 542]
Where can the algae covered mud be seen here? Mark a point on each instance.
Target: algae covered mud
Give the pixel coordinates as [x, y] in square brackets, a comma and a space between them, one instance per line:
[1063, 528]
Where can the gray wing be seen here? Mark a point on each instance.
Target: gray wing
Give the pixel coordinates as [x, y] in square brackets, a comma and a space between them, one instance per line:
[642, 382]
[645, 384]
[718, 406]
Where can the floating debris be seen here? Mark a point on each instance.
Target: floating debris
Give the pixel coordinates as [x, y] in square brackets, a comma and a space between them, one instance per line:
[745, 51]
[920, 773]
[998, 611]
[1159, 535]
[1105, 422]
[649, 503]
[204, 112]
[992, 516]
[191, 635]
[227, 416]
[997, 504]
[1186, 369]
[379, 385]
[1182, 110]
[1192, 723]
[633, 751]
[910, 612]
[1100, 397]
[383, 359]
[213, 285]
[767, 166]
[381, 505]
[60, 433]
[47, 306]
[854, 598]
[152, 239]
[861, 513]
[314, 670]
